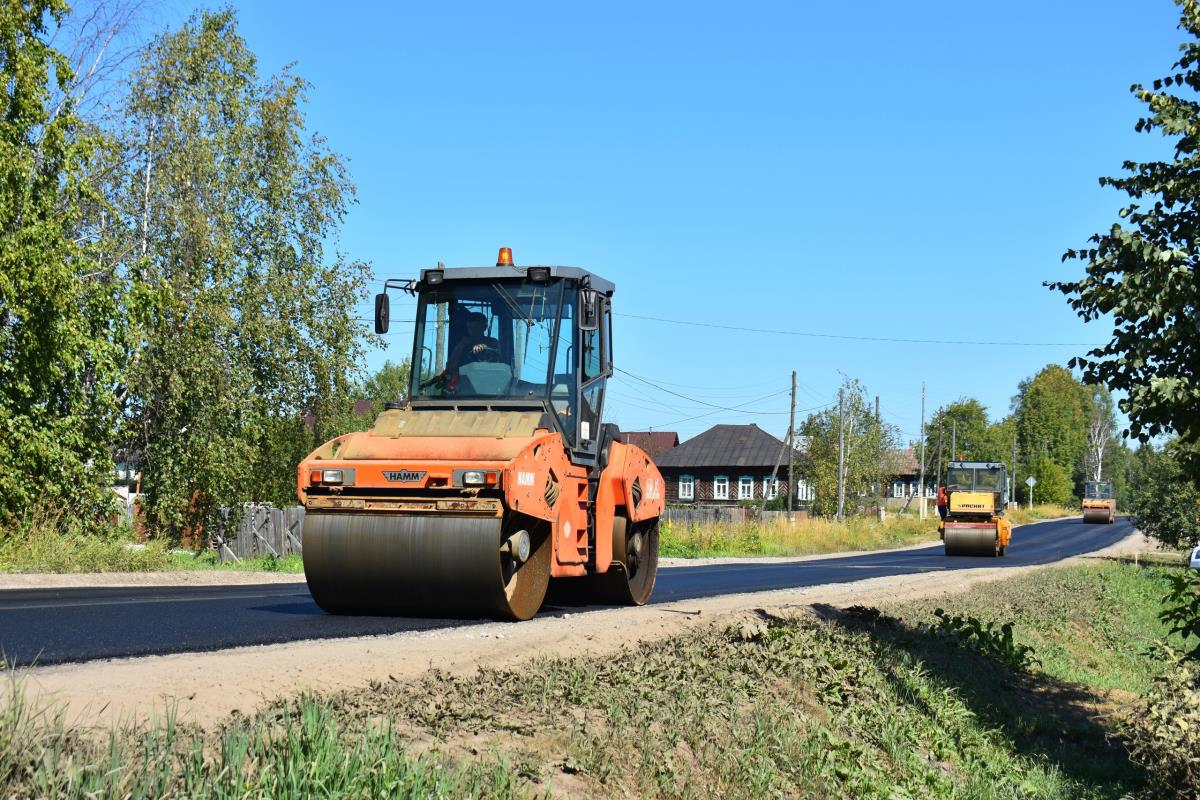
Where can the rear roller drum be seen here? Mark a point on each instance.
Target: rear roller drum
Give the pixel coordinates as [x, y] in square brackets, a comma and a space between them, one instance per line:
[433, 564]
[629, 580]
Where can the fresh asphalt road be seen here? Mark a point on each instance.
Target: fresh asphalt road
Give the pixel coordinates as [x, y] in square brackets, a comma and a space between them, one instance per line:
[51, 626]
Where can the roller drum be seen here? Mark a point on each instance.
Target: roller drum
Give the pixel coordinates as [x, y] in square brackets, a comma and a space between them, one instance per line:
[1096, 515]
[971, 541]
[421, 563]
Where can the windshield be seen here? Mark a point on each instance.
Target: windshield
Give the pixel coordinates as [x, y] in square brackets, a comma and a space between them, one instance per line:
[990, 479]
[1098, 490]
[478, 339]
[960, 478]
[967, 478]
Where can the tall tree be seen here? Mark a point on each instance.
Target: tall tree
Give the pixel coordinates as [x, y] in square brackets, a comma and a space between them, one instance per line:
[1142, 271]
[247, 321]
[867, 440]
[961, 430]
[1165, 503]
[57, 303]
[1052, 413]
[1101, 430]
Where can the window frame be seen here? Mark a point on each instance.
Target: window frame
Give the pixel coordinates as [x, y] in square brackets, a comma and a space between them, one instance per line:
[723, 482]
[746, 485]
[769, 491]
[690, 483]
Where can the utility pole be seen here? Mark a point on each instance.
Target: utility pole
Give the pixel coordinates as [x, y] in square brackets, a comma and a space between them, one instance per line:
[1014, 469]
[788, 441]
[954, 440]
[921, 481]
[792, 451]
[940, 474]
[879, 459]
[841, 482]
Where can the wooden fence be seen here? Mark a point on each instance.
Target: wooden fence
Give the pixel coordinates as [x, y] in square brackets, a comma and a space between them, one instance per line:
[263, 530]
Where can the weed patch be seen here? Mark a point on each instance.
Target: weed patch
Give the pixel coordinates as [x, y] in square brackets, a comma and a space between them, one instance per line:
[51, 540]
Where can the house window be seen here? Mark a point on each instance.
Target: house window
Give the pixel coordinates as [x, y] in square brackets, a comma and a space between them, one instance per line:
[897, 489]
[721, 488]
[804, 492]
[687, 487]
[770, 488]
[745, 488]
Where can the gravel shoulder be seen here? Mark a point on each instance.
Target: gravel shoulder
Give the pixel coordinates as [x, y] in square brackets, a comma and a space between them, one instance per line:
[205, 688]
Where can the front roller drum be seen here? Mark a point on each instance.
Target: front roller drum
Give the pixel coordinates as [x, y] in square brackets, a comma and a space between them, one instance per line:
[972, 541]
[1091, 515]
[430, 564]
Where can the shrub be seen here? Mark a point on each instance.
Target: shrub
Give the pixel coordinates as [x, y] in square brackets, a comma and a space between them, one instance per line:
[988, 640]
[1162, 729]
[1182, 609]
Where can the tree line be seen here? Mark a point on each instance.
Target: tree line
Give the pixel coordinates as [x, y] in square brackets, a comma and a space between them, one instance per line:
[1062, 432]
[172, 289]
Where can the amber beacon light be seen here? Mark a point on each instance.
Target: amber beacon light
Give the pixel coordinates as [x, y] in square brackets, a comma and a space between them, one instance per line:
[505, 257]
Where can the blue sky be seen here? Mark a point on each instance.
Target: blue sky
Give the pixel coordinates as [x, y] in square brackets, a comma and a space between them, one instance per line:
[893, 170]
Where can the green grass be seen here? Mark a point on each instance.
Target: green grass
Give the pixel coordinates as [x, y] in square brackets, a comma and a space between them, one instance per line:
[51, 541]
[208, 560]
[1092, 625]
[301, 750]
[859, 703]
[813, 536]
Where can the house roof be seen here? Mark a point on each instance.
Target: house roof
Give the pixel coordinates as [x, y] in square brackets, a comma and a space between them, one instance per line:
[655, 443]
[725, 446]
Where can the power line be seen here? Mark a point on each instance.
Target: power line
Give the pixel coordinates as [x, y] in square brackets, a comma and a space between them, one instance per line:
[801, 410]
[695, 400]
[854, 338]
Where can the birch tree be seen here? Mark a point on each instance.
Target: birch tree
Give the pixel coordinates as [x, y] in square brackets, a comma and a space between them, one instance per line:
[245, 321]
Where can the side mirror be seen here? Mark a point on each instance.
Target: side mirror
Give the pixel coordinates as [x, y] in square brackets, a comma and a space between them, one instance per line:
[589, 310]
[381, 313]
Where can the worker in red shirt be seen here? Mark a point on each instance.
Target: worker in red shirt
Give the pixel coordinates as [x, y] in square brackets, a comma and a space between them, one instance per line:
[943, 502]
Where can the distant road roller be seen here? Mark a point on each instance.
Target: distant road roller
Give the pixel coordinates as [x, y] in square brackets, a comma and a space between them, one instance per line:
[1099, 502]
[976, 498]
[497, 473]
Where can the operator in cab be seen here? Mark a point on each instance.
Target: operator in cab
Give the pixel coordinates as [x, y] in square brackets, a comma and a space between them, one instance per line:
[474, 346]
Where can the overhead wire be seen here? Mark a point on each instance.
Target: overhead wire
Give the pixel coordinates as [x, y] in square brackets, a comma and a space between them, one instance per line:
[850, 337]
[695, 400]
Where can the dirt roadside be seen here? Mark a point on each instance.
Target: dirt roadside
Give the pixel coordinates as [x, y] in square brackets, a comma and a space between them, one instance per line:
[205, 688]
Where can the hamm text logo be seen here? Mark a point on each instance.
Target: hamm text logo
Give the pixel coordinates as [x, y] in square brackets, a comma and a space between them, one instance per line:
[404, 476]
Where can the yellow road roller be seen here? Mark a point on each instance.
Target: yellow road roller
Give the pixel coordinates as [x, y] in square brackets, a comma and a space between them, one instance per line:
[976, 498]
[1099, 503]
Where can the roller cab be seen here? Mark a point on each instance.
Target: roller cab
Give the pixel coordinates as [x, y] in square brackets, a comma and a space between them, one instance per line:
[976, 498]
[497, 473]
[1099, 502]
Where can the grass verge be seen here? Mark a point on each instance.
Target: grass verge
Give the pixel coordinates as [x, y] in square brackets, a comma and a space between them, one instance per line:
[47, 540]
[52, 541]
[813, 536]
[858, 703]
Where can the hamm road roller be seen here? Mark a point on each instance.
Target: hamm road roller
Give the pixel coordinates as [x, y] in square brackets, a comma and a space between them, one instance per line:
[1099, 503]
[497, 474]
[976, 498]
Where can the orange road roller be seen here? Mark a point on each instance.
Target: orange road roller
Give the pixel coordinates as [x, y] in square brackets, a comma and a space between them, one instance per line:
[1099, 503]
[496, 475]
